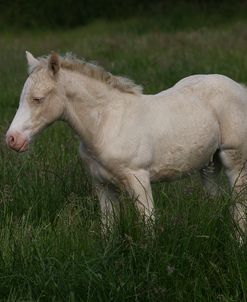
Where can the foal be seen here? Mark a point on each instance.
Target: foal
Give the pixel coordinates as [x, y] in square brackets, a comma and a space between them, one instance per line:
[129, 139]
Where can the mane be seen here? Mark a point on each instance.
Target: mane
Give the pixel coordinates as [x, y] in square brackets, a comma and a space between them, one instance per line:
[91, 69]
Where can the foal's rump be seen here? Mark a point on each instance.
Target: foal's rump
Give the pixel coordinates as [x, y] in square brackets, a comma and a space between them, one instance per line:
[230, 108]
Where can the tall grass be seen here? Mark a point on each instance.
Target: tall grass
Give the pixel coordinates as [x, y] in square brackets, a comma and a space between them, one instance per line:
[51, 246]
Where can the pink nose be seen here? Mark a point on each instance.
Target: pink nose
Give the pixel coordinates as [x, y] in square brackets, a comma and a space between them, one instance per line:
[17, 141]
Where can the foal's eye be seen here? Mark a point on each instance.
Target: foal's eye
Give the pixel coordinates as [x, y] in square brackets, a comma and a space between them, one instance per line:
[38, 99]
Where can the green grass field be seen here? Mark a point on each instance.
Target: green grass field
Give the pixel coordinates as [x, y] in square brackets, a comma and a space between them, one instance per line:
[51, 248]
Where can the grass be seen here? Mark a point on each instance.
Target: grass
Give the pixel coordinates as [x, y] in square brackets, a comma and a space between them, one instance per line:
[51, 246]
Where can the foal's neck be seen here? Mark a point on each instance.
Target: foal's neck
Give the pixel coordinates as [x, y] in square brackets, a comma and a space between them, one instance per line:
[89, 105]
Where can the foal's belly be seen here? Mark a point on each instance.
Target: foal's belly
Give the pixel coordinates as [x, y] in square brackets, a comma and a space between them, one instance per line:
[180, 164]
[188, 155]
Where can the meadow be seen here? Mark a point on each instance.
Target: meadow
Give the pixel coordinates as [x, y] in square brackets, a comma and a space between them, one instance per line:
[51, 247]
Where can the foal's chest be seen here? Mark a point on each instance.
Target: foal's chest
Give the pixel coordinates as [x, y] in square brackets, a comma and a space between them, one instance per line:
[97, 170]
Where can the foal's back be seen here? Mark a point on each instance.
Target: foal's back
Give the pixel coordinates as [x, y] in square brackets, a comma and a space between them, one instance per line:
[216, 94]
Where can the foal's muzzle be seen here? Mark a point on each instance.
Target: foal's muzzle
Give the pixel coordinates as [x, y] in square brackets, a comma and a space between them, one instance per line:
[17, 141]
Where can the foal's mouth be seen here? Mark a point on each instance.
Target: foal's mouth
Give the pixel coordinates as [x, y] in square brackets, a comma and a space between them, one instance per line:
[24, 147]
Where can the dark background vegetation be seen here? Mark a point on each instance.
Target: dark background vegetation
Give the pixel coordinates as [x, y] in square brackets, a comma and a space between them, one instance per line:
[70, 13]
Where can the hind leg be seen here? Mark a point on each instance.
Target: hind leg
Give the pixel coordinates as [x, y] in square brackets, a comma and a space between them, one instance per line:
[236, 170]
[209, 175]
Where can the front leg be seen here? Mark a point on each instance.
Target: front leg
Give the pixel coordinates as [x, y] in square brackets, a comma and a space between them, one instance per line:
[139, 187]
[108, 199]
[105, 192]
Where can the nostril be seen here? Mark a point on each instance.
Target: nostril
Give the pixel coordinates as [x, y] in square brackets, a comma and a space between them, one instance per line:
[11, 140]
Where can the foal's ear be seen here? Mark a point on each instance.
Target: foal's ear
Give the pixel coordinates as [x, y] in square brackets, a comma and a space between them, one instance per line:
[31, 60]
[54, 63]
